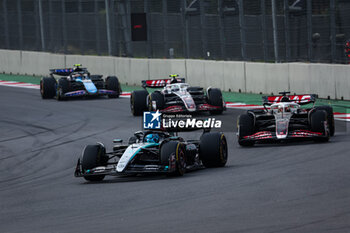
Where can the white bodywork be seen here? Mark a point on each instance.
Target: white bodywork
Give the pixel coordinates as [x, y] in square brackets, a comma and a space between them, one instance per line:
[129, 153]
[180, 89]
[283, 111]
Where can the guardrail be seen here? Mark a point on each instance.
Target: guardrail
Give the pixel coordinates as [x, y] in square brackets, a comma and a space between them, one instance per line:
[326, 80]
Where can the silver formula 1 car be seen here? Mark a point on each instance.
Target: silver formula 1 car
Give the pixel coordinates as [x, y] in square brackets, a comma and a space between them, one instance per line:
[283, 119]
[77, 81]
[176, 96]
[152, 152]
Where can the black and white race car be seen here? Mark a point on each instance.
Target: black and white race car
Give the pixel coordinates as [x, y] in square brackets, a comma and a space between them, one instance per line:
[176, 96]
[283, 119]
[77, 82]
[153, 152]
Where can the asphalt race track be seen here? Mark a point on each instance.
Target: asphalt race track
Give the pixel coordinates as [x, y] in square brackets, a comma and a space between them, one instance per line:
[302, 187]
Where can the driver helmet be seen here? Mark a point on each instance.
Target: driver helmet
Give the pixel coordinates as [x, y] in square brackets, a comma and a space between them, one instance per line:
[152, 138]
[173, 78]
[77, 68]
[280, 109]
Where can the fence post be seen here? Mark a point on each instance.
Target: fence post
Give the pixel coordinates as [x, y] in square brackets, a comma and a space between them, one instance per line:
[97, 28]
[274, 25]
[51, 44]
[186, 39]
[203, 34]
[6, 29]
[64, 31]
[286, 29]
[108, 29]
[221, 28]
[149, 32]
[112, 25]
[165, 26]
[309, 28]
[41, 21]
[333, 33]
[263, 27]
[20, 30]
[128, 20]
[81, 41]
[242, 29]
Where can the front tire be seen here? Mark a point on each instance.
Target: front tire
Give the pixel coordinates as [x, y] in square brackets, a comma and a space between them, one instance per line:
[112, 84]
[158, 98]
[213, 150]
[245, 128]
[138, 102]
[48, 87]
[94, 156]
[330, 117]
[62, 88]
[317, 124]
[215, 99]
[177, 149]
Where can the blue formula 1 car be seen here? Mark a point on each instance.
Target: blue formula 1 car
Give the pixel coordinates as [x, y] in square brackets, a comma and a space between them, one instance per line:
[152, 152]
[77, 82]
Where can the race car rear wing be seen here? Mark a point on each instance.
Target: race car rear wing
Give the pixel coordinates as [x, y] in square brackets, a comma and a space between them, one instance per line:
[299, 99]
[65, 72]
[159, 83]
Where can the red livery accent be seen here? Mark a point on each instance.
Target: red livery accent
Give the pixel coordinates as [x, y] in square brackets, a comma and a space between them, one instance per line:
[292, 98]
[205, 107]
[158, 83]
[175, 108]
[305, 133]
[260, 135]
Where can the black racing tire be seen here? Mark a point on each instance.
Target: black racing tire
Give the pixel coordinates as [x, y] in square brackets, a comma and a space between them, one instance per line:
[62, 88]
[317, 120]
[112, 84]
[215, 99]
[48, 87]
[158, 98]
[176, 148]
[138, 102]
[245, 128]
[330, 117]
[94, 156]
[213, 149]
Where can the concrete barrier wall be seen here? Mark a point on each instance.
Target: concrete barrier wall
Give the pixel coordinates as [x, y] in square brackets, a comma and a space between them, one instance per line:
[322, 79]
[34, 63]
[161, 68]
[267, 78]
[341, 74]
[10, 61]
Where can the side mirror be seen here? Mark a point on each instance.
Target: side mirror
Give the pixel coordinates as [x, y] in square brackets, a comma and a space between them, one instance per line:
[117, 140]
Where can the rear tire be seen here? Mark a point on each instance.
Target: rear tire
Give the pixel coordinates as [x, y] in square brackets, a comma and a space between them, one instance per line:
[317, 124]
[94, 156]
[48, 87]
[169, 149]
[213, 149]
[138, 102]
[245, 128]
[215, 99]
[158, 98]
[330, 118]
[112, 84]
